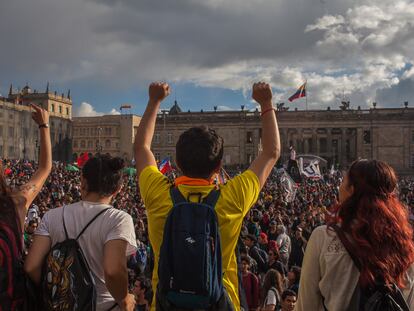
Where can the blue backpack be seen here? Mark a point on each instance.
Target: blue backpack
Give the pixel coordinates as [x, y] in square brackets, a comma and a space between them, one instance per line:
[190, 266]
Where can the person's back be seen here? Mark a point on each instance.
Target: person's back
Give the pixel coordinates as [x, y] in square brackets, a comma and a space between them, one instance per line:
[199, 153]
[376, 224]
[105, 243]
[111, 224]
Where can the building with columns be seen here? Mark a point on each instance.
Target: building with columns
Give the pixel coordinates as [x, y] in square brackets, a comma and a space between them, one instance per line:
[338, 136]
[19, 135]
[112, 134]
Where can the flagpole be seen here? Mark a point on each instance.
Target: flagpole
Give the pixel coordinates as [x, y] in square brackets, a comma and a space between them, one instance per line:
[306, 84]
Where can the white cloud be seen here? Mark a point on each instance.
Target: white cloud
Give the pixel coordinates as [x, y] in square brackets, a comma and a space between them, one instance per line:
[87, 110]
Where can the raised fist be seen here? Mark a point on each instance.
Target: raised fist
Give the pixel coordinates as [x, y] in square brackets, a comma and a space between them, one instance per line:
[262, 93]
[158, 91]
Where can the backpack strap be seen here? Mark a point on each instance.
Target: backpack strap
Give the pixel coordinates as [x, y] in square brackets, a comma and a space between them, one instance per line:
[348, 246]
[176, 196]
[64, 225]
[91, 221]
[210, 199]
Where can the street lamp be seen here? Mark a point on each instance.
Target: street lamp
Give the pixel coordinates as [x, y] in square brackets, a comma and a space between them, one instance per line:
[99, 146]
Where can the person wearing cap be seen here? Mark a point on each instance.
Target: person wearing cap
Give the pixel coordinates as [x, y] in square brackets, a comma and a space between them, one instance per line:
[272, 232]
[256, 253]
[263, 242]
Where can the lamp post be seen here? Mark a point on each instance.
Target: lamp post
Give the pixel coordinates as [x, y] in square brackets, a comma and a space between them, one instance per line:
[99, 146]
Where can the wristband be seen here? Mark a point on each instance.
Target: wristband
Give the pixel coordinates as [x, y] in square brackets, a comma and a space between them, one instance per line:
[267, 110]
[45, 125]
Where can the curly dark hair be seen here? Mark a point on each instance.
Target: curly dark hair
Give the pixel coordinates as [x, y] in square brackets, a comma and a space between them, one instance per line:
[199, 152]
[103, 174]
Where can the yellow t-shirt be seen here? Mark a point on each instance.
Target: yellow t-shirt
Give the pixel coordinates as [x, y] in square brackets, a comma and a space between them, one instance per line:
[236, 198]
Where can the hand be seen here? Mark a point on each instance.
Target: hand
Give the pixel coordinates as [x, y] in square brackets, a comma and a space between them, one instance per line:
[158, 91]
[128, 303]
[262, 93]
[39, 115]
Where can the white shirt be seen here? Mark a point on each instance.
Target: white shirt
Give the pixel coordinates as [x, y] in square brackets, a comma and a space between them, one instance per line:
[329, 272]
[113, 224]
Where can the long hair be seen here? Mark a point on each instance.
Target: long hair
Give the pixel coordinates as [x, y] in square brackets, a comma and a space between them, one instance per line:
[272, 279]
[377, 222]
[8, 215]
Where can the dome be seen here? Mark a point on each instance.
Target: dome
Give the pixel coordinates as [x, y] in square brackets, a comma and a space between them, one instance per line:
[175, 109]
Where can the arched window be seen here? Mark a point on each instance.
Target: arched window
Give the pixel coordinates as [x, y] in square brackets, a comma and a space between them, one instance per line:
[107, 143]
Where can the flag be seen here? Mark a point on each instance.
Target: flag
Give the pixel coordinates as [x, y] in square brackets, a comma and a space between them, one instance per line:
[312, 170]
[288, 186]
[165, 166]
[301, 92]
[82, 159]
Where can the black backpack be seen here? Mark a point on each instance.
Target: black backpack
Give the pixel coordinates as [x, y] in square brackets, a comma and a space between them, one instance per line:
[190, 267]
[67, 281]
[381, 297]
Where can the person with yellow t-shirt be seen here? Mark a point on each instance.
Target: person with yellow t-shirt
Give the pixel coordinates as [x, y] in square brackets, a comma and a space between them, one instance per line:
[199, 153]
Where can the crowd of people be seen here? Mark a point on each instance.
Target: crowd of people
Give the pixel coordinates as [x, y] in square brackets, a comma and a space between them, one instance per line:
[274, 232]
[275, 221]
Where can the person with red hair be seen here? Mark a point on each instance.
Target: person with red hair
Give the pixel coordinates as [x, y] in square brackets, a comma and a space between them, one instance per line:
[376, 224]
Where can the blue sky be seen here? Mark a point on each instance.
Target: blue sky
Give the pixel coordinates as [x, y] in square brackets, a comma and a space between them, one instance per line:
[210, 51]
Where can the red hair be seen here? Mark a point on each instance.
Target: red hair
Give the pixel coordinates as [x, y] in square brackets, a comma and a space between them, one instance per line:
[377, 222]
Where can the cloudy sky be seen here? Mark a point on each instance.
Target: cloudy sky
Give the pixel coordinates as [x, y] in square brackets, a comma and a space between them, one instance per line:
[210, 51]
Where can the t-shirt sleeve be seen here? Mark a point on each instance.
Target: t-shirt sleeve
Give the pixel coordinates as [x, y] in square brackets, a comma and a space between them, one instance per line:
[271, 298]
[43, 228]
[244, 189]
[124, 230]
[151, 184]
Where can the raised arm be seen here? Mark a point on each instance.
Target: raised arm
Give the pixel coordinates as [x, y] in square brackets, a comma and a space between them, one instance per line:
[262, 166]
[26, 193]
[143, 154]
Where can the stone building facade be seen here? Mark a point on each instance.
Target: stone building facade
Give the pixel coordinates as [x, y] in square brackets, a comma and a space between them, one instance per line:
[338, 136]
[19, 135]
[112, 134]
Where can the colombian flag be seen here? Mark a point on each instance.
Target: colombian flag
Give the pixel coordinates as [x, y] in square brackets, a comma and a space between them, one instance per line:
[301, 92]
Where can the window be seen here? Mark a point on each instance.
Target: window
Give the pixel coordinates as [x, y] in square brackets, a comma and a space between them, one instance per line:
[323, 145]
[82, 144]
[67, 111]
[310, 145]
[249, 137]
[11, 132]
[1, 150]
[1, 131]
[157, 156]
[60, 109]
[249, 158]
[367, 137]
[107, 143]
[169, 138]
[157, 138]
[52, 107]
[11, 151]
[412, 160]
[90, 144]
[75, 144]
[117, 145]
[11, 116]
[412, 136]
[1, 114]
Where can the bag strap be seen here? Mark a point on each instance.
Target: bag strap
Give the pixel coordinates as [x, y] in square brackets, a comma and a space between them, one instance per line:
[91, 221]
[348, 246]
[64, 225]
[210, 199]
[87, 225]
